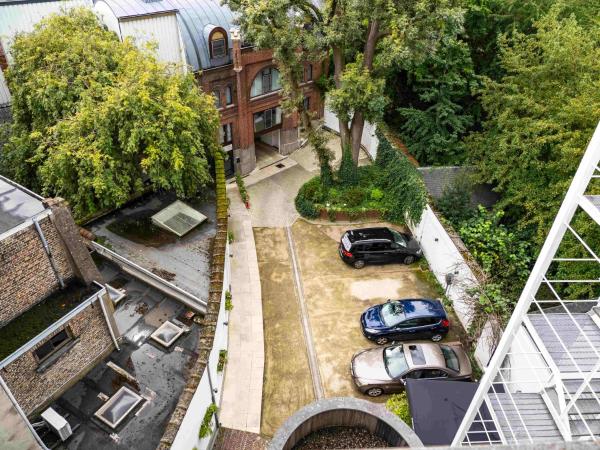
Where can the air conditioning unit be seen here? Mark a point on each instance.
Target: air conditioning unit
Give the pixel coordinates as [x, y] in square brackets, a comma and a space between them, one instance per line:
[58, 423]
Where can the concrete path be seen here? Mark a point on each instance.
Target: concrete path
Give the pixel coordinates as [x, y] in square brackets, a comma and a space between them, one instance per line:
[242, 392]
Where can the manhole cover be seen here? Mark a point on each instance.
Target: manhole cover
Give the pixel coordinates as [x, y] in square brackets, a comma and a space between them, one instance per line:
[280, 166]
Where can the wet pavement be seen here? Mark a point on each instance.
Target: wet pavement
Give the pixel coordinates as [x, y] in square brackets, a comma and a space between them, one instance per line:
[184, 261]
[156, 373]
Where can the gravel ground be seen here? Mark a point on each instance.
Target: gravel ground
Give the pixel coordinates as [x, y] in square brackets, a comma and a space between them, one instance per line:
[340, 437]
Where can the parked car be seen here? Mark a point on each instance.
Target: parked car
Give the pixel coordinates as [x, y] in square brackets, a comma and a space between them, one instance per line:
[382, 370]
[406, 319]
[377, 246]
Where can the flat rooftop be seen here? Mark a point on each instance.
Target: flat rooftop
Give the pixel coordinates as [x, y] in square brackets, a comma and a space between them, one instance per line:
[16, 205]
[156, 373]
[183, 261]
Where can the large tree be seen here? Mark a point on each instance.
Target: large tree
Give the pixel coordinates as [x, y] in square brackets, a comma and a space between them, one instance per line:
[364, 39]
[96, 119]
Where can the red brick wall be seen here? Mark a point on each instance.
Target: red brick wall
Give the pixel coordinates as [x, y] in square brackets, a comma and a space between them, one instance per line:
[26, 276]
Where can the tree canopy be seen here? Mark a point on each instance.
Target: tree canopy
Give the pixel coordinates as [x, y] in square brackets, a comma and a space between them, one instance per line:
[364, 39]
[96, 120]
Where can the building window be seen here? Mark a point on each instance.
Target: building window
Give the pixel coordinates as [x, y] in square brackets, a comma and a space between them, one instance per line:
[217, 95]
[228, 94]
[226, 134]
[218, 43]
[306, 103]
[54, 344]
[308, 72]
[267, 119]
[267, 80]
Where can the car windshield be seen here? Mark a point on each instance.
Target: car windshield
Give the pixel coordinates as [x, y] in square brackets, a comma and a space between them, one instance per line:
[451, 358]
[392, 313]
[394, 360]
[399, 238]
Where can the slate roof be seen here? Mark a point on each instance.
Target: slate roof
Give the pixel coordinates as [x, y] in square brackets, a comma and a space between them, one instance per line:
[196, 20]
[438, 179]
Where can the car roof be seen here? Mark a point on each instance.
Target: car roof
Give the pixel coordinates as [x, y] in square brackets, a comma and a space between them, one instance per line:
[424, 355]
[366, 234]
[422, 307]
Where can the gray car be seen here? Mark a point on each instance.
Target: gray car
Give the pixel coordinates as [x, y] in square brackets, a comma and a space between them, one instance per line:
[384, 370]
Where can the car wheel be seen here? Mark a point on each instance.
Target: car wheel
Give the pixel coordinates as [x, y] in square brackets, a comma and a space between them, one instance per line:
[437, 337]
[359, 264]
[409, 260]
[374, 392]
[381, 340]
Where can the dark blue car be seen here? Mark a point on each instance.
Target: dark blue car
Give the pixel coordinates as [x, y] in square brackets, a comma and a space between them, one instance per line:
[399, 320]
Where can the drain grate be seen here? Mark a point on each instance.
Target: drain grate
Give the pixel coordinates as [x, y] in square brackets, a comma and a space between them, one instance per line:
[280, 166]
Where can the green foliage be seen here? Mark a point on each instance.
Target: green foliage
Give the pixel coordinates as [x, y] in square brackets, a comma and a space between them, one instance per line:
[222, 360]
[541, 114]
[376, 194]
[242, 188]
[348, 172]
[353, 197]
[398, 404]
[499, 252]
[405, 196]
[95, 118]
[434, 124]
[228, 301]
[455, 202]
[205, 427]
[230, 236]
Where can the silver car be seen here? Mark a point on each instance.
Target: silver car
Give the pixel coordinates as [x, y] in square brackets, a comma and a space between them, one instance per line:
[376, 371]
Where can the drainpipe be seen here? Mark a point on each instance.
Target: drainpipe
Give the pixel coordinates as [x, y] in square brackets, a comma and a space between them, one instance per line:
[48, 252]
[106, 317]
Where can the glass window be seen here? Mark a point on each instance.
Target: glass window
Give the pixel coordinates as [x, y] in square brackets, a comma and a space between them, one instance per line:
[225, 134]
[267, 80]
[392, 313]
[53, 344]
[451, 358]
[399, 238]
[410, 323]
[267, 119]
[218, 45]
[306, 103]
[417, 355]
[217, 95]
[228, 95]
[394, 360]
[434, 373]
[308, 72]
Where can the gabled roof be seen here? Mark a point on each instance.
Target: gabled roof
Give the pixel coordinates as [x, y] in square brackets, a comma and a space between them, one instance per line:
[196, 19]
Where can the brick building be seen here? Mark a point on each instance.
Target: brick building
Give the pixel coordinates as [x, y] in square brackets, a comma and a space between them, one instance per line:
[55, 322]
[200, 35]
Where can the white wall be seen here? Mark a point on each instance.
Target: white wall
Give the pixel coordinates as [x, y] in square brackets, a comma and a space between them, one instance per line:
[369, 140]
[187, 435]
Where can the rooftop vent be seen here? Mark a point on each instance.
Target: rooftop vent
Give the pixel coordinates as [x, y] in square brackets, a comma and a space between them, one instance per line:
[114, 411]
[178, 218]
[167, 333]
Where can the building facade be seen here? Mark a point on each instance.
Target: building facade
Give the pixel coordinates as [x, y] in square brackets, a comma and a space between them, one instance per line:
[55, 322]
[200, 36]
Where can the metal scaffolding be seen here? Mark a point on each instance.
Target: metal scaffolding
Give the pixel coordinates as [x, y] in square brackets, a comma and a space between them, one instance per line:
[543, 382]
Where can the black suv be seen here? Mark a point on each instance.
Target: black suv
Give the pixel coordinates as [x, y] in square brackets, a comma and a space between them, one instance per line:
[377, 246]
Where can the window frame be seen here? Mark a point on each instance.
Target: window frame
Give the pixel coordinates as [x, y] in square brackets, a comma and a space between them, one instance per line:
[212, 40]
[55, 348]
[308, 73]
[229, 95]
[223, 133]
[265, 74]
[216, 92]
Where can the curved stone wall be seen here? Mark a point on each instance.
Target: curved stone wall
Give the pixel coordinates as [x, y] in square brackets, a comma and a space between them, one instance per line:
[348, 412]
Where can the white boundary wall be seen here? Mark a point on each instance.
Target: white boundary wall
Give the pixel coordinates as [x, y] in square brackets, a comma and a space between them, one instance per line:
[187, 436]
[369, 139]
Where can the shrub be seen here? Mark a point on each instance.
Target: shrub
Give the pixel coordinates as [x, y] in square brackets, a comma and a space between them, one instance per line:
[353, 197]
[205, 428]
[313, 190]
[241, 187]
[222, 360]
[228, 302]
[306, 208]
[348, 172]
[230, 236]
[455, 202]
[398, 404]
[305, 203]
[376, 194]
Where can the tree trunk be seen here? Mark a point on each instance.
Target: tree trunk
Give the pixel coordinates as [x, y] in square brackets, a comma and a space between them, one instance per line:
[358, 120]
[338, 65]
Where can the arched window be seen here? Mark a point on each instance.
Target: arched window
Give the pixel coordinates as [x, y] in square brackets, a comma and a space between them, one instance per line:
[267, 80]
[218, 43]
